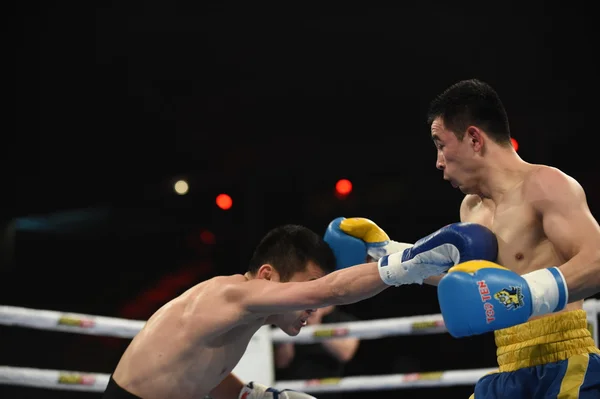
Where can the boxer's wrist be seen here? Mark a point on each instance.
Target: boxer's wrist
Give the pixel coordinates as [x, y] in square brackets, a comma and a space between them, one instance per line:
[395, 272]
[548, 289]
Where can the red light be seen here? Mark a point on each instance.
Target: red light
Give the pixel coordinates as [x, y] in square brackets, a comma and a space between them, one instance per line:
[343, 187]
[224, 201]
[207, 237]
[514, 144]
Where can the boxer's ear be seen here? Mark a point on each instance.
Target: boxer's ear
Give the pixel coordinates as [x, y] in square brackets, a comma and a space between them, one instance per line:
[475, 137]
[267, 272]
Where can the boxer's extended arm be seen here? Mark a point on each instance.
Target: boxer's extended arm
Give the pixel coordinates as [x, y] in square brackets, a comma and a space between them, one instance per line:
[570, 227]
[341, 287]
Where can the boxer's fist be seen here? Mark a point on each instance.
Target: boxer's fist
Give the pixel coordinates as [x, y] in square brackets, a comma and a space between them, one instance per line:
[255, 390]
[353, 239]
[480, 296]
[435, 254]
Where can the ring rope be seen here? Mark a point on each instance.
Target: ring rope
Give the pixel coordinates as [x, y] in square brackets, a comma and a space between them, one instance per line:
[96, 382]
[123, 328]
[53, 379]
[115, 327]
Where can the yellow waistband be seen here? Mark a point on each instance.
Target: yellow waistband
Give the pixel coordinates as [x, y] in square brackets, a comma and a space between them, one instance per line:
[546, 340]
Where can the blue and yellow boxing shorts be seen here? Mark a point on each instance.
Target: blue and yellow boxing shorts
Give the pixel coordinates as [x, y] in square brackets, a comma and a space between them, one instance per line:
[551, 357]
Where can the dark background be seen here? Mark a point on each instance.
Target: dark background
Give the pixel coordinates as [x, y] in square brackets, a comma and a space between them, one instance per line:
[272, 105]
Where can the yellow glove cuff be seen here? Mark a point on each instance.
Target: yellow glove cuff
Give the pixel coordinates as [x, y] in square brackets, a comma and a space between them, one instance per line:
[473, 265]
[364, 229]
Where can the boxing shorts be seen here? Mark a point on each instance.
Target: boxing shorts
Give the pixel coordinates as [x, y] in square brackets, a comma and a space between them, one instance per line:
[115, 391]
[550, 357]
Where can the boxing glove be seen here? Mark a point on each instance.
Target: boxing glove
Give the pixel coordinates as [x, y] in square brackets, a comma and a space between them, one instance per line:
[435, 254]
[353, 239]
[480, 296]
[254, 390]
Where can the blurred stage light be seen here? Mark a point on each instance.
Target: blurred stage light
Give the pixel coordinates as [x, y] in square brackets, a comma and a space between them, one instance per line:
[207, 237]
[514, 144]
[224, 201]
[343, 187]
[181, 187]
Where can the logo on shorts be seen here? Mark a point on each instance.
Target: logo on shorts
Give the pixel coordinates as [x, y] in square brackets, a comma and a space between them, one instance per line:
[511, 298]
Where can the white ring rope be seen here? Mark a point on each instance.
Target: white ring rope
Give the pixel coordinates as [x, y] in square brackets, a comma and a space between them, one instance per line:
[95, 382]
[372, 329]
[53, 379]
[69, 322]
[123, 328]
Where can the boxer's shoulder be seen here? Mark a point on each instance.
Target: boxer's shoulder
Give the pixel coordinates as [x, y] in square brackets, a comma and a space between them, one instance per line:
[221, 281]
[543, 182]
[219, 287]
[470, 201]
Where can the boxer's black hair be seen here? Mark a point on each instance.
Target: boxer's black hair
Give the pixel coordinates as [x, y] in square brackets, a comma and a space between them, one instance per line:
[471, 102]
[289, 248]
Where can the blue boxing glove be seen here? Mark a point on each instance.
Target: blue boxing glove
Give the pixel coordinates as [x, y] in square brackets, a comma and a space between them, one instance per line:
[353, 240]
[479, 296]
[435, 254]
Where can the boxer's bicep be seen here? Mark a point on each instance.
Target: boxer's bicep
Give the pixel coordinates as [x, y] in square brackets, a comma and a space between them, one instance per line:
[572, 230]
[566, 219]
[266, 297]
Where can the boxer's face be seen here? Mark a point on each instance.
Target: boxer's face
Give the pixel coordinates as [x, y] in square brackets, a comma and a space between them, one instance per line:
[292, 322]
[456, 158]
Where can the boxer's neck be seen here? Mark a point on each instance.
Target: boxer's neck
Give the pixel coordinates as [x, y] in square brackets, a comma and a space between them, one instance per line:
[501, 171]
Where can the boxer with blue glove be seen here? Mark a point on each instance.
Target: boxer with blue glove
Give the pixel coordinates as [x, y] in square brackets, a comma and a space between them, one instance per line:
[353, 239]
[548, 261]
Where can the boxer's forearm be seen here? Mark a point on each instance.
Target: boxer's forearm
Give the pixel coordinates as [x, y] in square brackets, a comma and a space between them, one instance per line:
[354, 284]
[582, 275]
[229, 388]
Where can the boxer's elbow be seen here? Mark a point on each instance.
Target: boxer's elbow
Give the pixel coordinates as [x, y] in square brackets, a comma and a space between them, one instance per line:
[590, 280]
[582, 274]
[596, 267]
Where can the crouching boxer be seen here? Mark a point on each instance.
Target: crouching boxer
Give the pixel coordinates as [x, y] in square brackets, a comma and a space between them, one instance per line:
[189, 347]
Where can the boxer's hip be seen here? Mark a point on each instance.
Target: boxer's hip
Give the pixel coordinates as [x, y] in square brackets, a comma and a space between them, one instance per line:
[547, 340]
[551, 357]
[115, 391]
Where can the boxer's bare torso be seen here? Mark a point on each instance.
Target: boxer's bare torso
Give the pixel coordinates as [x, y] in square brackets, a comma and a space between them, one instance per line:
[189, 345]
[522, 245]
